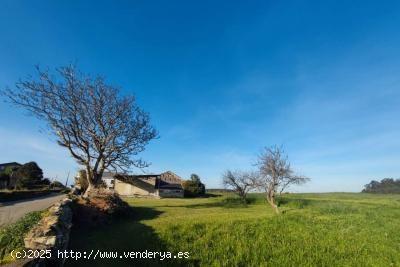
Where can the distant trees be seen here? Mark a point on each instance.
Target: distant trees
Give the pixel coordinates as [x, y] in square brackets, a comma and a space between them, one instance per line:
[240, 182]
[57, 184]
[276, 174]
[194, 187]
[385, 186]
[100, 129]
[28, 175]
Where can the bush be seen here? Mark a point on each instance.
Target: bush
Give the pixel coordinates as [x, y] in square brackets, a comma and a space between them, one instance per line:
[193, 187]
[101, 207]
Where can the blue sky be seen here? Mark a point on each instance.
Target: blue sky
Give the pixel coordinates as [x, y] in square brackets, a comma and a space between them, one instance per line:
[222, 79]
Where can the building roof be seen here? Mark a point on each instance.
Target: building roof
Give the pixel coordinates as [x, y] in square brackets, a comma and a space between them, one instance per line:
[165, 180]
[5, 165]
[10, 163]
[169, 186]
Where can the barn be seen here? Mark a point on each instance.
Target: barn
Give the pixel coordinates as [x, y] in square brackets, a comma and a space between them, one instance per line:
[166, 184]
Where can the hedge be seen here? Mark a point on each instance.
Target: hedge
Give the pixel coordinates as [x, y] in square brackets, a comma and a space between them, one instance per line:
[24, 194]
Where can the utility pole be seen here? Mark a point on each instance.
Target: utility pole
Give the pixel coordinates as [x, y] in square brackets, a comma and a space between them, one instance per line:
[66, 182]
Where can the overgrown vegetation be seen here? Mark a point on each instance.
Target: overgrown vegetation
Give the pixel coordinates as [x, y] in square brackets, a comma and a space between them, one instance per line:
[385, 186]
[12, 236]
[340, 229]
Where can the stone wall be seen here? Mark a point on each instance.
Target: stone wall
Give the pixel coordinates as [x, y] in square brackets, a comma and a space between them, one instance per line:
[52, 232]
[171, 193]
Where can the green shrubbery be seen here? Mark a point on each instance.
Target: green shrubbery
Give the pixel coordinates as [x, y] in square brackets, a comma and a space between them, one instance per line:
[385, 186]
[12, 236]
[194, 187]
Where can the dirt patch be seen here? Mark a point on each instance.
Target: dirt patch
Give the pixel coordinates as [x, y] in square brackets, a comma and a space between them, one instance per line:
[99, 208]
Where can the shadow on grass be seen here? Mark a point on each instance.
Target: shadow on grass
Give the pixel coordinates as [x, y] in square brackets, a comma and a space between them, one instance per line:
[206, 195]
[123, 234]
[233, 202]
[294, 203]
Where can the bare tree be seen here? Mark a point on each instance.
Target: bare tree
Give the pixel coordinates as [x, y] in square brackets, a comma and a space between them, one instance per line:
[101, 129]
[276, 174]
[240, 182]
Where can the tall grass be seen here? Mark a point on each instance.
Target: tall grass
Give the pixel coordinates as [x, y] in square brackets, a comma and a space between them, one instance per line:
[314, 230]
[12, 236]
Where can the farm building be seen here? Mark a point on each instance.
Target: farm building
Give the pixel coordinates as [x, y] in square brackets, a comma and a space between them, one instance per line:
[166, 184]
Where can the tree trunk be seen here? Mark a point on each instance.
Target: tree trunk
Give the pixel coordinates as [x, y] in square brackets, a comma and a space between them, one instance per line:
[90, 187]
[89, 177]
[271, 200]
[243, 198]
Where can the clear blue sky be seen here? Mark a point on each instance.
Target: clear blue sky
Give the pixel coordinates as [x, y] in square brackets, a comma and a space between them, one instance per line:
[222, 79]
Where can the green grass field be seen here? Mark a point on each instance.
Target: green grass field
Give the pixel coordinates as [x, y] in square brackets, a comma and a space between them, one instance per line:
[337, 229]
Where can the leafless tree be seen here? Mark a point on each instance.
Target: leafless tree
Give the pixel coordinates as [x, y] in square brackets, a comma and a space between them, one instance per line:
[101, 129]
[240, 182]
[276, 174]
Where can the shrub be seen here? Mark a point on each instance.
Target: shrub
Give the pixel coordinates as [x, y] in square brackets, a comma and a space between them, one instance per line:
[194, 187]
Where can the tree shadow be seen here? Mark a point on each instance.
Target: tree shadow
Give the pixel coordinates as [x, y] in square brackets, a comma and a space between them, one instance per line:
[206, 195]
[224, 203]
[124, 234]
[293, 203]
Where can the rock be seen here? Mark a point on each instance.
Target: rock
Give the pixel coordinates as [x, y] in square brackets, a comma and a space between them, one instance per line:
[52, 231]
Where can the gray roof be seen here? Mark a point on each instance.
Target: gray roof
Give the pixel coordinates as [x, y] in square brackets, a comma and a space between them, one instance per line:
[158, 182]
[5, 165]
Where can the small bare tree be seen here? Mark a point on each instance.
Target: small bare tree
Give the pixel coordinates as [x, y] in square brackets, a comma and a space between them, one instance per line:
[240, 182]
[276, 174]
[100, 129]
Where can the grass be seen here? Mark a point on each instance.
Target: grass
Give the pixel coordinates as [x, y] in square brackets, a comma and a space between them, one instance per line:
[337, 229]
[12, 236]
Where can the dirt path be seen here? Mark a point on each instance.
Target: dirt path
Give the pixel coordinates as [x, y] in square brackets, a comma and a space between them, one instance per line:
[12, 211]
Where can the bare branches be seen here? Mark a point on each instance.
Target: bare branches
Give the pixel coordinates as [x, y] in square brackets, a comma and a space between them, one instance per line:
[99, 128]
[276, 173]
[240, 182]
